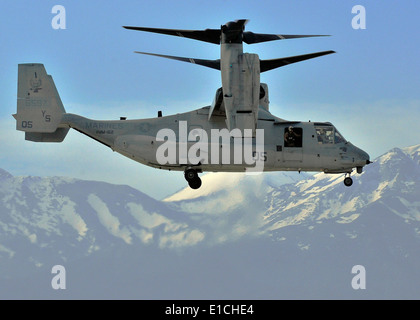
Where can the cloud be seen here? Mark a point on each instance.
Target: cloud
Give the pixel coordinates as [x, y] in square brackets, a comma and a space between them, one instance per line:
[181, 239]
[175, 235]
[69, 215]
[211, 183]
[10, 252]
[110, 222]
[145, 236]
[31, 236]
[145, 219]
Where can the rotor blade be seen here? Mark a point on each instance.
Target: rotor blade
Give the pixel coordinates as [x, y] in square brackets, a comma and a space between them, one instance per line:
[242, 22]
[266, 65]
[214, 64]
[208, 35]
[250, 37]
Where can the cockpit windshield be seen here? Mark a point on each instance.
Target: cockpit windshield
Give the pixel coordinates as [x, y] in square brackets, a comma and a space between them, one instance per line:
[327, 134]
[338, 138]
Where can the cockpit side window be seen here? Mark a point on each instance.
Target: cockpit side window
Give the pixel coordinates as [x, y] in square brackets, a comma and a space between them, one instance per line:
[327, 134]
[293, 137]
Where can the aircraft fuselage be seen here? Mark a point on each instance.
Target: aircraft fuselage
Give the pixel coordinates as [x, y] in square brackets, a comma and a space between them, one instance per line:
[137, 140]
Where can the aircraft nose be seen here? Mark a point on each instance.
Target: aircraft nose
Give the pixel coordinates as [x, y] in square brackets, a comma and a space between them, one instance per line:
[362, 155]
[365, 156]
[361, 158]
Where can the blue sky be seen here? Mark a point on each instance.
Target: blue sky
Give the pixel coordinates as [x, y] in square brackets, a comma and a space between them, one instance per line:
[370, 89]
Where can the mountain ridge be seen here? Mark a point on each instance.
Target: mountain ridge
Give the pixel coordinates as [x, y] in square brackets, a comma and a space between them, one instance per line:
[289, 224]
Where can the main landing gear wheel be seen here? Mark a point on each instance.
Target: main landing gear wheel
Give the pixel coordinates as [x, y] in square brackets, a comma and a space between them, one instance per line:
[195, 184]
[348, 181]
[192, 178]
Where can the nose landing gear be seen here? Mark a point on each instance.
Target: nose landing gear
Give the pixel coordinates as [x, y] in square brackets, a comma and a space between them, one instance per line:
[192, 178]
[348, 181]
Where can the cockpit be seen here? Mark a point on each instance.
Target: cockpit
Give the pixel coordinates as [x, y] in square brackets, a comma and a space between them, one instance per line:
[326, 133]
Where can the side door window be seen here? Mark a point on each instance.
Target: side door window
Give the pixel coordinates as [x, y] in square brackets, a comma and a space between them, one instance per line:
[293, 137]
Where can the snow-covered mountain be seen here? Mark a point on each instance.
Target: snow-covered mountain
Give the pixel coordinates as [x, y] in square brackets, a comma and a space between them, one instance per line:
[292, 198]
[274, 235]
[391, 182]
[74, 218]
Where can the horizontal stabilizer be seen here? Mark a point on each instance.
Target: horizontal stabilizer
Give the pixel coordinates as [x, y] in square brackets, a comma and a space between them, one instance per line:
[57, 136]
[250, 37]
[207, 35]
[214, 64]
[266, 65]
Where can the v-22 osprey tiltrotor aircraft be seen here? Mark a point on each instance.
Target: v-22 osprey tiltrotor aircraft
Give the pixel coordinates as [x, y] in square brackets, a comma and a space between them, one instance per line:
[180, 142]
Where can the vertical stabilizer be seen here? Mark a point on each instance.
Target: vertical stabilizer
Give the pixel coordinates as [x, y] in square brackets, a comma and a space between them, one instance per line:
[39, 107]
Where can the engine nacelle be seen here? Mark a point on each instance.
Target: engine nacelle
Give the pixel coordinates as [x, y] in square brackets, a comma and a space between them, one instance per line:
[264, 101]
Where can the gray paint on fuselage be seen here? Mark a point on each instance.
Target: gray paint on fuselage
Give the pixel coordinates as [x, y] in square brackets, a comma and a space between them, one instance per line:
[136, 139]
